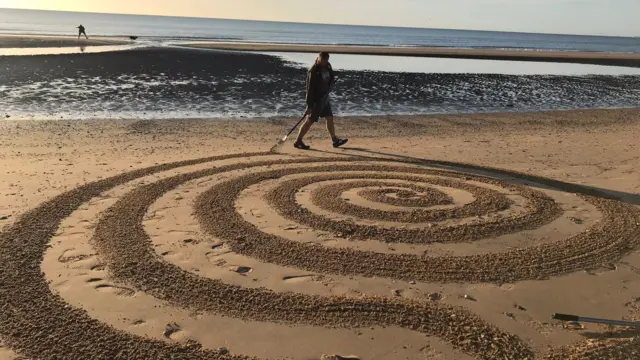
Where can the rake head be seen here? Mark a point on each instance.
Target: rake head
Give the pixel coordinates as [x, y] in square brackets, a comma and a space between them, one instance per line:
[280, 142]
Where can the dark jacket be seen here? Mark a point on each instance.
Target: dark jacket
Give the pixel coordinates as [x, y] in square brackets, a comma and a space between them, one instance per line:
[314, 84]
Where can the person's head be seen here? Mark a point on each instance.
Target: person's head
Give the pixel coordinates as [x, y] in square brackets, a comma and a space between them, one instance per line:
[323, 58]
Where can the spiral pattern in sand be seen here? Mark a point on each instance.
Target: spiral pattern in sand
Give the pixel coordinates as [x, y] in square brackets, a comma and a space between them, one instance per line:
[40, 324]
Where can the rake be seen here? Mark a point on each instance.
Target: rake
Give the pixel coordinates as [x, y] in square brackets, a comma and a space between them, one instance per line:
[323, 101]
[565, 317]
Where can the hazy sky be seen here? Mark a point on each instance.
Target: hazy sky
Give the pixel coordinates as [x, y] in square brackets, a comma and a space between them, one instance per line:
[599, 17]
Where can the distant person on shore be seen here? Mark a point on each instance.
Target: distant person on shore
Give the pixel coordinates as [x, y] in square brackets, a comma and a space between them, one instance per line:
[81, 31]
[320, 79]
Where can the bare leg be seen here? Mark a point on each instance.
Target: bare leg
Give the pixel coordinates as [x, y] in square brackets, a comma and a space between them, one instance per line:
[331, 128]
[304, 129]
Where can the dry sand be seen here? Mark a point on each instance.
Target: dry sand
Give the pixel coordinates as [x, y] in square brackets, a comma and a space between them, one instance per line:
[28, 41]
[618, 59]
[299, 254]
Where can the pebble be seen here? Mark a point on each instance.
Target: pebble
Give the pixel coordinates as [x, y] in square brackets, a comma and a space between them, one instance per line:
[412, 282]
[469, 297]
[435, 296]
[509, 315]
[520, 307]
[223, 351]
[396, 292]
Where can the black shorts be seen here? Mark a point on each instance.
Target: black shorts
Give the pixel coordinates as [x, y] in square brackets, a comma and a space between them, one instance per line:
[317, 112]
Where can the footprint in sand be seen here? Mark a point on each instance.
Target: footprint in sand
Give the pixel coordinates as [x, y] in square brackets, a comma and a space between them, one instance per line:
[242, 270]
[219, 250]
[156, 215]
[97, 267]
[120, 291]
[298, 278]
[171, 329]
[181, 232]
[219, 262]
[68, 256]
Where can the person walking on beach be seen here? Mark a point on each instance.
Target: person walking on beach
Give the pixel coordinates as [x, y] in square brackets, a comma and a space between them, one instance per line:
[81, 31]
[320, 79]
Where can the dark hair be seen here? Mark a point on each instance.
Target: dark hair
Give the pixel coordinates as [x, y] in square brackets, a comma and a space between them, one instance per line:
[323, 55]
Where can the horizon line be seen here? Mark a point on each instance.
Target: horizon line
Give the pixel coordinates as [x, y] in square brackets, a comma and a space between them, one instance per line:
[325, 24]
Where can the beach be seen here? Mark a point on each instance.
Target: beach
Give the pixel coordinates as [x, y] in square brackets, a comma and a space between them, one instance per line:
[145, 212]
[188, 238]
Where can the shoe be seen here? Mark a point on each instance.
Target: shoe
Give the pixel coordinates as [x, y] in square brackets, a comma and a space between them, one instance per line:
[339, 142]
[300, 145]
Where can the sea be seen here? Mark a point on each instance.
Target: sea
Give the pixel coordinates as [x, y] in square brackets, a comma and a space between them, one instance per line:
[181, 28]
[158, 78]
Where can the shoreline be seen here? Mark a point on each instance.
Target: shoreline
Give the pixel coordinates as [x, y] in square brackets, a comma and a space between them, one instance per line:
[51, 41]
[235, 119]
[592, 58]
[377, 125]
[177, 82]
[24, 41]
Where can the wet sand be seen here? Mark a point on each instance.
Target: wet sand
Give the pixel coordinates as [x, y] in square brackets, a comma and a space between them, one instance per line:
[28, 41]
[155, 83]
[632, 60]
[189, 239]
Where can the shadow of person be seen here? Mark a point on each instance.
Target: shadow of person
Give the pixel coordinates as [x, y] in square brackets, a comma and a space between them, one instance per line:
[504, 175]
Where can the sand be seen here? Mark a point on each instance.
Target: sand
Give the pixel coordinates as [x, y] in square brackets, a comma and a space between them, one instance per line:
[150, 239]
[618, 59]
[28, 41]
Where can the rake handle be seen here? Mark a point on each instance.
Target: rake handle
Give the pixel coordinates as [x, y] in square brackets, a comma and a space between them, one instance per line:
[565, 317]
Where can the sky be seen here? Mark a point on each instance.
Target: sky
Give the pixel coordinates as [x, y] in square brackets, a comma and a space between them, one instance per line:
[588, 17]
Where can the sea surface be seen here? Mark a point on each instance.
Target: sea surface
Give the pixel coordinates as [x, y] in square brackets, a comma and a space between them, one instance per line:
[157, 28]
[156, 78]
